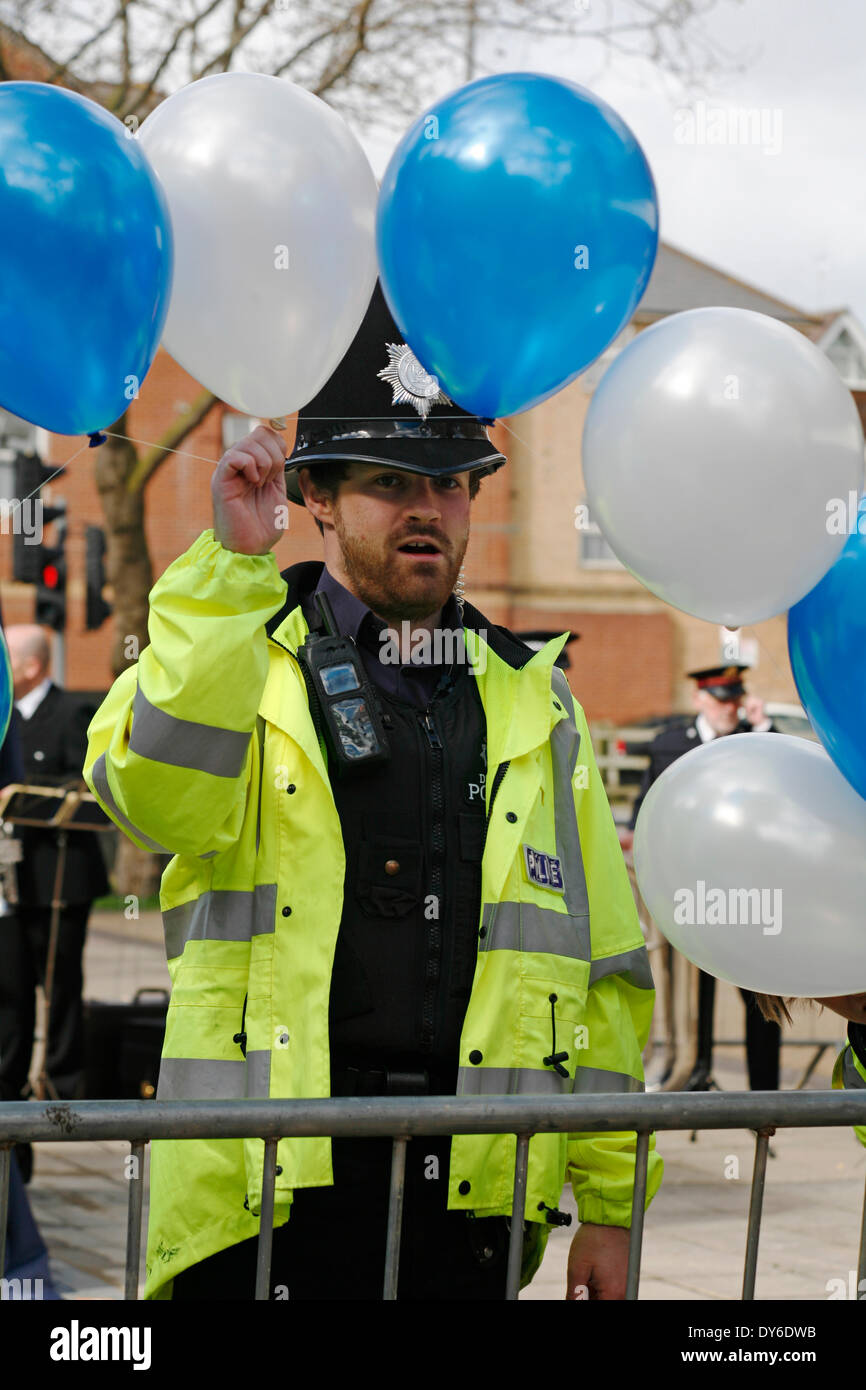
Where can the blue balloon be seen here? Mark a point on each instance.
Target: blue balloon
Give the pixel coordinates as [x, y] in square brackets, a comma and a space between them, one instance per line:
[86, 260]
[5, 687]
[517, 229]
[827, 648]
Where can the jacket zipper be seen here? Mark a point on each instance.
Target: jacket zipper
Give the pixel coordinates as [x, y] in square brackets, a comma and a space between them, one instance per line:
[497, 781]
[434, 926]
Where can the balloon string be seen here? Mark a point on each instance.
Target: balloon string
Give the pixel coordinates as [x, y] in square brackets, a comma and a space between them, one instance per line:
[59, 469]
[147, 443]
[765, 651]
[150, 444]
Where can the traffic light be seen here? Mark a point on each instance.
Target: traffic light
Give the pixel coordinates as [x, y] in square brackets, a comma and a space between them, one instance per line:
[96, 609]
[29, 515]
[51, 581]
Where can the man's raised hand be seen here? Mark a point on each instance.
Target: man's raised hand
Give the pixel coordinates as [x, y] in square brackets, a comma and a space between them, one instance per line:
[250, 507]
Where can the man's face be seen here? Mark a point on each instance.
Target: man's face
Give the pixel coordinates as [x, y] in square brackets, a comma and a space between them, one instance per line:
[380, 516]
[27, 671]
[723, 716]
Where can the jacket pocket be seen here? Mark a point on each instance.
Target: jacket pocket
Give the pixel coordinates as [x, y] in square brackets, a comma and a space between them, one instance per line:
[394, 890]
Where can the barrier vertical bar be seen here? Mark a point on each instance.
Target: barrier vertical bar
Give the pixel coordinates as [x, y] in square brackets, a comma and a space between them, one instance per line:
[756, 1202]
[518, 1208]
[5, 1166]
[861, 1263]
[638, 1203]
[395, 1219]
[266, 1221]
[134, 1211]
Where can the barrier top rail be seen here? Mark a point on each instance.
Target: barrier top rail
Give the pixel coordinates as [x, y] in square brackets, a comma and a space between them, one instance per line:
[390, 1115]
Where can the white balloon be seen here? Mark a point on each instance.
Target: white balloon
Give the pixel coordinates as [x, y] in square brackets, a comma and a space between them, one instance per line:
[273, 206]
[713, 445]
[748, 852]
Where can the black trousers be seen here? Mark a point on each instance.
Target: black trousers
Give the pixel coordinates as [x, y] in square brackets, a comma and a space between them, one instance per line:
[763, 1037]
[333, 1245]
[23, 959]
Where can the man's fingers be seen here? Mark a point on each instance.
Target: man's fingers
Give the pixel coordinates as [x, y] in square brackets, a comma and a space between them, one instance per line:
[273, 443]
[253, 461]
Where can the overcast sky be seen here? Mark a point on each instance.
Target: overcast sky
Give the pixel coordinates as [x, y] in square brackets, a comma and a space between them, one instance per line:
[787, 214]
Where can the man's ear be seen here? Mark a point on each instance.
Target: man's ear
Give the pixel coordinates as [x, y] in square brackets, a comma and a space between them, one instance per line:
[316, 501]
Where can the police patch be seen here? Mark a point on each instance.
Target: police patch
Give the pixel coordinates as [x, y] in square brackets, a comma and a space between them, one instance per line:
[544, 870]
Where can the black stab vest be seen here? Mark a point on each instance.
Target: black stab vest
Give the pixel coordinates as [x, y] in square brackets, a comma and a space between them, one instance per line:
[413, 831]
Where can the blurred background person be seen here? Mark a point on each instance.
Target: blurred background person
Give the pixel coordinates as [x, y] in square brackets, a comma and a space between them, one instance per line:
[26, 1258]
[53, 732]
[718, 696]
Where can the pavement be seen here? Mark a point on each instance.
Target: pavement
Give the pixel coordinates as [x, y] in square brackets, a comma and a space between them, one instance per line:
[694, 1241]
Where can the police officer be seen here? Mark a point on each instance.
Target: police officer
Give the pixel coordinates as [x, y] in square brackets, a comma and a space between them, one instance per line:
[718, 695]
[354, 905]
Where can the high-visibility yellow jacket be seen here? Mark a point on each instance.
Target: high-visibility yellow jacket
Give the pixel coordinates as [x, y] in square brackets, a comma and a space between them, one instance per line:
[207, 749]
[849, 1074]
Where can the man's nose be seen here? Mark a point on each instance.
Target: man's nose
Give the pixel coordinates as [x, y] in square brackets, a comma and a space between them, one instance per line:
[424, 501]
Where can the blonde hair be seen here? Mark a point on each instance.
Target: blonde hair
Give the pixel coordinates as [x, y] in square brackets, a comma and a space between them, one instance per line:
[775, 1008]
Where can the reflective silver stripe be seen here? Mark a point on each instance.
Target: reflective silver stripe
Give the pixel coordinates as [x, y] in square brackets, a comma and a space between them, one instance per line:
[564, 747]
[258, 1074]
[851, 1078]
[194, 1078]
[634, 966]
[260, 735]
[594, 1081]
[181, 743]
[528, 927]
[100, 781]
[511, 1081]
[201, 1078]
[221, 914]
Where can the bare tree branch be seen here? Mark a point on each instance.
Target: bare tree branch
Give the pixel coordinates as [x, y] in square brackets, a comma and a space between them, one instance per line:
[342, 67]
[239, 33]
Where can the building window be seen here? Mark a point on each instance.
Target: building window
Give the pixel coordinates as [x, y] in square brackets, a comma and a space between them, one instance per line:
[15, 434]
[236, 428]
[593, 551]
[847, 358]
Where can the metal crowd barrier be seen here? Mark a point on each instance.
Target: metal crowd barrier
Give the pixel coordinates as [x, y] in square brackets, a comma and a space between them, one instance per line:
[401, 1118]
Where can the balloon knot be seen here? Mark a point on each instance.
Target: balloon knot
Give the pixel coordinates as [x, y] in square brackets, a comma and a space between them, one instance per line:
[97, 438]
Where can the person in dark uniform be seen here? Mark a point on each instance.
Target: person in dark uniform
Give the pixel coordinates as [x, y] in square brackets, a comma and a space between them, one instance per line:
[53, 731]
[719, 694]
[26, 1258]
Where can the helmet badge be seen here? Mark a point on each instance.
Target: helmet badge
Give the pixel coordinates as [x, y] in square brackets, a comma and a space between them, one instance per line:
[409, 381]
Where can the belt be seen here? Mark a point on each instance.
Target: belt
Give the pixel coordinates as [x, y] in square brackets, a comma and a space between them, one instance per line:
[391, 1081]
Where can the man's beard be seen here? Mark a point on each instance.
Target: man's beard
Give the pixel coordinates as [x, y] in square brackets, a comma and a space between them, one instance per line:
[380, 579]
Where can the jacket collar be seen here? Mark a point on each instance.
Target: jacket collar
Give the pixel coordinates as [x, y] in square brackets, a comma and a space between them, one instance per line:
[521, 713]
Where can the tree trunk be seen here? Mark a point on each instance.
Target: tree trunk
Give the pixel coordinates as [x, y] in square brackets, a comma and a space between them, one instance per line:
[129, 571]
[127, 559]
